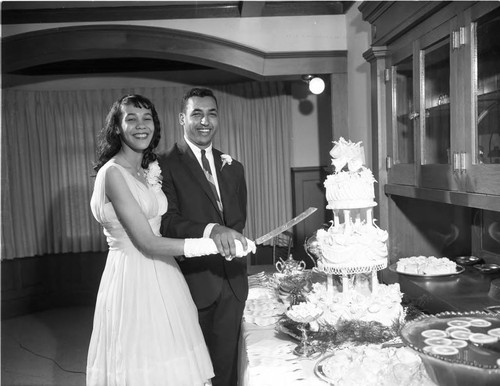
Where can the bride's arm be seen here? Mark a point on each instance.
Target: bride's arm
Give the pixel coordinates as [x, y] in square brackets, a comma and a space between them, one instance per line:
[134, 221]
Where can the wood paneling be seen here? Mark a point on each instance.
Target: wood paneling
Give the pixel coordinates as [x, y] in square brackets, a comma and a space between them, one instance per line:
[308, 191]
[421, 227]
[37, 283]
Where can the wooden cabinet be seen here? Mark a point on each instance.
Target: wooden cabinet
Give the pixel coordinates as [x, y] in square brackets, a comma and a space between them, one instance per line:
[436, 122]
[443, 88]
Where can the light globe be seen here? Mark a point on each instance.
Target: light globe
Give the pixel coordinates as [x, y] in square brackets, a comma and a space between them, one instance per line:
[316, 85]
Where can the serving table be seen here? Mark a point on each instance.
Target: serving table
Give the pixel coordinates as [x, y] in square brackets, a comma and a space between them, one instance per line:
[468, 291]
[266, 358]
[266, 354]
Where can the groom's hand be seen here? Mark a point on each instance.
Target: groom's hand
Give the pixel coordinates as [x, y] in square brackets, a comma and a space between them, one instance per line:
[224, 240]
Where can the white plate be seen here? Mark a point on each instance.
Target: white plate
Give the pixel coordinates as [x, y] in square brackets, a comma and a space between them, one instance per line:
[460, 269]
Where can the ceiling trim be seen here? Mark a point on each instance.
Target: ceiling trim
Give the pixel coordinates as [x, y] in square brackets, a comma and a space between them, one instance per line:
[122, 41]
[85, 11]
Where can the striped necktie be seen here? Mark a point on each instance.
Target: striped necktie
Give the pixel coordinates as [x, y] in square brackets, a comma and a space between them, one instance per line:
[210, 178]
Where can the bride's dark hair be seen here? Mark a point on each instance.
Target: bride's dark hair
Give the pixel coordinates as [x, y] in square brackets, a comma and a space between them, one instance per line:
[108, 141]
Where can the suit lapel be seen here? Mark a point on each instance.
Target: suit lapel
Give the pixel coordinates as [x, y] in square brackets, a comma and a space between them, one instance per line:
[220, 178]
[189, 159]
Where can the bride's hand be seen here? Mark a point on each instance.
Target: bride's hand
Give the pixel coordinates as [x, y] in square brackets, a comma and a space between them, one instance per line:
[206, 246]
[242, 252]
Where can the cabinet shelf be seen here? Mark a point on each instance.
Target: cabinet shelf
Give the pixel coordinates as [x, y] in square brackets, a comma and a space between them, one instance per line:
[442, 106]
[469, 200]
[489, 96]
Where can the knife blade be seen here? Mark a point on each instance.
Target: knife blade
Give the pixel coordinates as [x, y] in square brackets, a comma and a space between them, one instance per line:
[294, 221]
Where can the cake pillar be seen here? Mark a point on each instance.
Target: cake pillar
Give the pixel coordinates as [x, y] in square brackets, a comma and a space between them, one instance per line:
[358, 217]
[374, 282]
[329, 287]
[336, 219]
[345, 285]
[369, 216]
[347, 220]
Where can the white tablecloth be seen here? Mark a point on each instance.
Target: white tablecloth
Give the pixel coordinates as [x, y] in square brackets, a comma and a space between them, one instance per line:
[266, 359]
[266, 355]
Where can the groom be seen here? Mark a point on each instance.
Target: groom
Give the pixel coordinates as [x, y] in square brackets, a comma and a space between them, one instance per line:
[207, 197]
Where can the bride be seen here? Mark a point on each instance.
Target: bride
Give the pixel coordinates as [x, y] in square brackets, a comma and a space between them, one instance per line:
[145, 329]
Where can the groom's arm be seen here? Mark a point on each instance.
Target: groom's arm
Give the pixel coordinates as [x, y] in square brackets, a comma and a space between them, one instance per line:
[239, 217]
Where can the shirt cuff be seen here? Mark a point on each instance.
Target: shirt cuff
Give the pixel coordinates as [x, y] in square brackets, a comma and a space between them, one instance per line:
[208, 230]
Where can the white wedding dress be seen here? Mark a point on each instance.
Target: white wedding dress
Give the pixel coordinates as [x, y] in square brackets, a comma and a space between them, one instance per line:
[146, 330]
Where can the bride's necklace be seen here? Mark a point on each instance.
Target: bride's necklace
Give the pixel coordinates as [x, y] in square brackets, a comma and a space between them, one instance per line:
[137, 172]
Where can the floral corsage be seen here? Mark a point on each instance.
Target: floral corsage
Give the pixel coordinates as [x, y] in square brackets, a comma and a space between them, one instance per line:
[226, 159]
[153, 175]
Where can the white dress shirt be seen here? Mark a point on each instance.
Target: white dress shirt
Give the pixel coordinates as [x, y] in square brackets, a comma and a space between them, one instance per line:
[210, 157]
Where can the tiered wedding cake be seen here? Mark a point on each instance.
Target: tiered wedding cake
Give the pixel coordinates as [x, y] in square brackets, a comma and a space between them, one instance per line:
[354, 248]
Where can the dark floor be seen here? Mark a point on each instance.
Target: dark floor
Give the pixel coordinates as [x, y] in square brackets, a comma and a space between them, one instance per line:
[47, 348]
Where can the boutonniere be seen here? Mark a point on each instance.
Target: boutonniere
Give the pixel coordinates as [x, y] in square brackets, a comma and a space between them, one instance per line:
[226, 159]
[153, 175]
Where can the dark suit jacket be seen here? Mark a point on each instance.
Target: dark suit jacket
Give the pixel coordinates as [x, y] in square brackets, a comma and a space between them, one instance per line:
[191, 206]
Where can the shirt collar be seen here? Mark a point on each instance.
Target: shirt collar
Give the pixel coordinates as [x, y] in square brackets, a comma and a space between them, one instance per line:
[196, 150]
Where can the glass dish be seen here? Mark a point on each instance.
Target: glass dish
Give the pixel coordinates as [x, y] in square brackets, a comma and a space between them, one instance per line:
[487, 268]
[472, 364]
[467, 260]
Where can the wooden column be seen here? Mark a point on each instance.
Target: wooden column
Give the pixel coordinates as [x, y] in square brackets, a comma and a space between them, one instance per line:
[377, 57]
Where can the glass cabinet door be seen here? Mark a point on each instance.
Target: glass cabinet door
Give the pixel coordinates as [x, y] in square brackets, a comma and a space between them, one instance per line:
[438, 96]
[404, 112]
[402, 146]
[436, 67]
[488, 88]
[485, 55]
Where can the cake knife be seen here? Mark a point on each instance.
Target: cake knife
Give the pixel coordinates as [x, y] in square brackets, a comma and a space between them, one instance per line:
[294, 221]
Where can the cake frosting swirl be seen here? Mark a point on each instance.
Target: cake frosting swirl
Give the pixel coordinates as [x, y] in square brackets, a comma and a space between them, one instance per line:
[358, 244]
[351, 185]
[384, 306]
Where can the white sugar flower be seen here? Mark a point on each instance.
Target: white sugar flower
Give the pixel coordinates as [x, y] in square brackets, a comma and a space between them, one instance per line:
[153, 175]
[347, 153]
[226, 159]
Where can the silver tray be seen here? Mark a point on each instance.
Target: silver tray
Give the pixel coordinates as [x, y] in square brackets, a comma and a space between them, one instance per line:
[487, 268]
[460, 269]
[467, 260]
[319, 370]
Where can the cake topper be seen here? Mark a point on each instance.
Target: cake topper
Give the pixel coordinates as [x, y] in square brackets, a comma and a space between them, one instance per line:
[347, 153]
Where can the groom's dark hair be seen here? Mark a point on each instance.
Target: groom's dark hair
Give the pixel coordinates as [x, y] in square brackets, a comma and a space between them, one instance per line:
[197, 92]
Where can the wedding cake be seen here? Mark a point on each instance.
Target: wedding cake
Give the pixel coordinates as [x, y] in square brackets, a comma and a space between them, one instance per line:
[354, 248]
[353, 239]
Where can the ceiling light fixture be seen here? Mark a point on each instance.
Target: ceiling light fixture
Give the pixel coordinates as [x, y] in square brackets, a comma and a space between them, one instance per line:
[316, 84]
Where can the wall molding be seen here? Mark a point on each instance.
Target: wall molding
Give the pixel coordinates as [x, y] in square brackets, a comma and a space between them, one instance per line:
[124, 41]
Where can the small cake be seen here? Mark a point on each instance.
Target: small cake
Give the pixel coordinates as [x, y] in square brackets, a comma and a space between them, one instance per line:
[422, 265]
[384, 306]
[351, 184]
